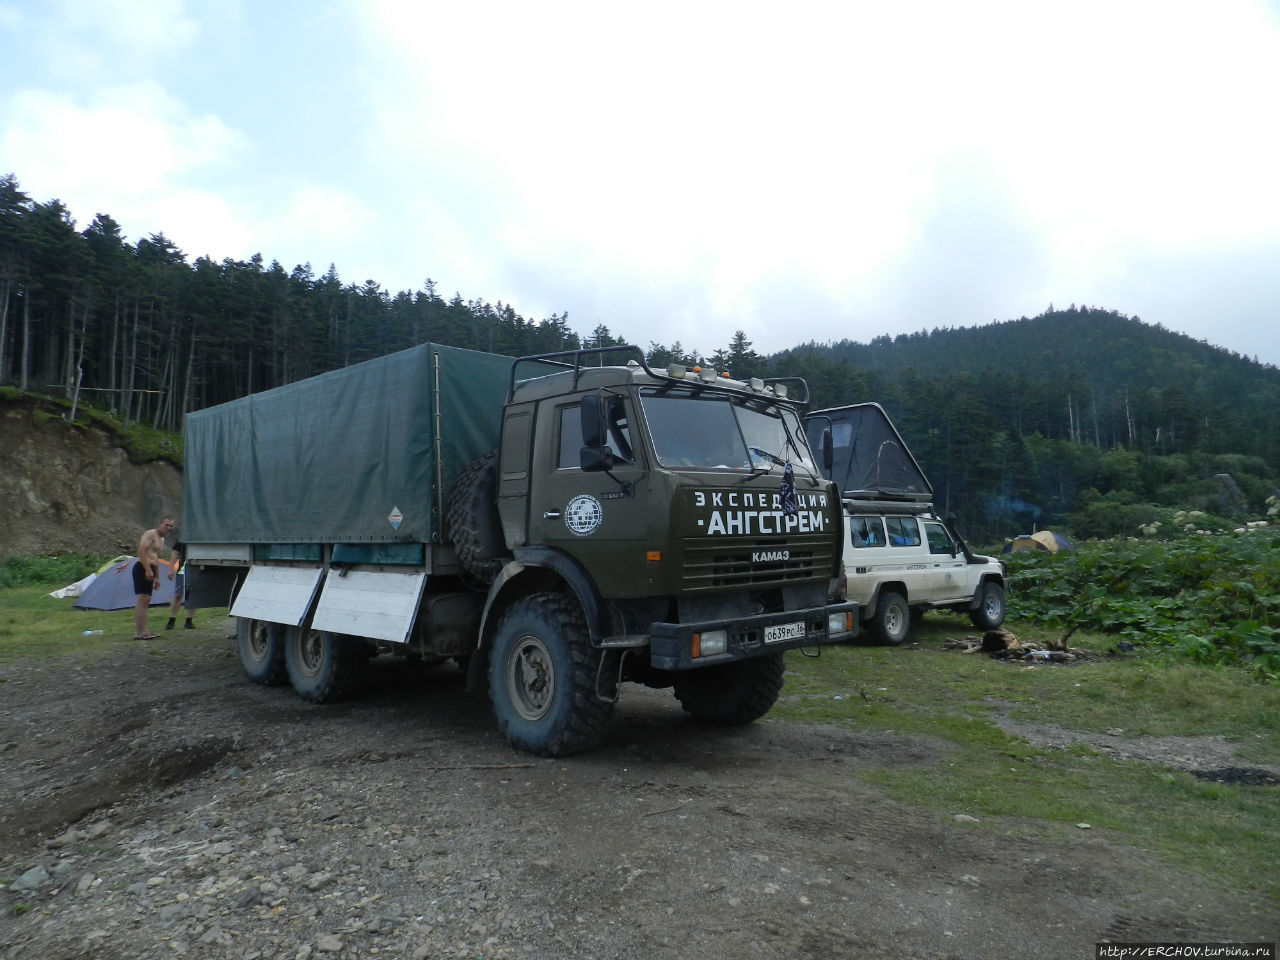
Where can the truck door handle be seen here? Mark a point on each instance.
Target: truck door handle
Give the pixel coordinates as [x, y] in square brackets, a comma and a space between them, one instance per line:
[551, 515]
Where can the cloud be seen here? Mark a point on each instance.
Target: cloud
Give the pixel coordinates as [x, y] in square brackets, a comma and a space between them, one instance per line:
[136, 153]
[96, 39]
[837, 170]
[311, 222]
[129, 152]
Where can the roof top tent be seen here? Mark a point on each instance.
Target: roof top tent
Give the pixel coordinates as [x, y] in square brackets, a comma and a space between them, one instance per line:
[870, 460]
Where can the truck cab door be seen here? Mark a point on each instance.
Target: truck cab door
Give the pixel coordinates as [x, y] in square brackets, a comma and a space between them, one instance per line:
[599, 517]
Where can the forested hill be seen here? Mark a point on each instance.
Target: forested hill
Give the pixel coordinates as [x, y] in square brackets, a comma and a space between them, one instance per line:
[1085, 419]
[1090, 345]
[1090, 375]
[1079, 417]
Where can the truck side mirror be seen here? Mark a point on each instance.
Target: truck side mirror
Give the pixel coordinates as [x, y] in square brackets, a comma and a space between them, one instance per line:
[828, 451]
[595, 456]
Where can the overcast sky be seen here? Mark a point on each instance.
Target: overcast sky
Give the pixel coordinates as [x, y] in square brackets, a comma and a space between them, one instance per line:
[679, 171]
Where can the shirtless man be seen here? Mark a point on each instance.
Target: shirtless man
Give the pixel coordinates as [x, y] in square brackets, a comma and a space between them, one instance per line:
[145, 572]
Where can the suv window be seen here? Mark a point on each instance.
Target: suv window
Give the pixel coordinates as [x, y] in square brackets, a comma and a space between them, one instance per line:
[867, 531]
[939, 540]
[903, 531]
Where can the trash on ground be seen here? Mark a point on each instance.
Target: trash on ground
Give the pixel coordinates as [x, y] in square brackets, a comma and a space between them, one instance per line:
[1004, 645]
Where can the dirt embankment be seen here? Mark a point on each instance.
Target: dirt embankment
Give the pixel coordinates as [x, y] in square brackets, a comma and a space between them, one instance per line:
[70, 489]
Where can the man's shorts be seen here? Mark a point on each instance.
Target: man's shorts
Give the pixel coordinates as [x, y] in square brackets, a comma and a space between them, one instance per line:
[141, 585]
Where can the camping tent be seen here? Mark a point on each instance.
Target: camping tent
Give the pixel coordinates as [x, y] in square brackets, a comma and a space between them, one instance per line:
[1045, 540]
[79, 587]
[113, 589]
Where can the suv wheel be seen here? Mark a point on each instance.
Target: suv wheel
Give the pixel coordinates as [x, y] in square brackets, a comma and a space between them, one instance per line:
[989, 613]
[892, 620]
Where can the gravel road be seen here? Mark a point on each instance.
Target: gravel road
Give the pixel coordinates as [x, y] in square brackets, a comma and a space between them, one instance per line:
[153, 803]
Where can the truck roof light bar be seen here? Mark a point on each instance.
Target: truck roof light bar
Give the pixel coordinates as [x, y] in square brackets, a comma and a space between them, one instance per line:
[577, 360]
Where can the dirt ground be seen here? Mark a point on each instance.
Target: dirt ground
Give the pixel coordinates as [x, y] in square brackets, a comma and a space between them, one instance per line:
[153, 803]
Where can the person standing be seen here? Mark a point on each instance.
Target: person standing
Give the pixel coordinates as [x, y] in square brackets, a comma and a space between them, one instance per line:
[145, 572]
[179, 564]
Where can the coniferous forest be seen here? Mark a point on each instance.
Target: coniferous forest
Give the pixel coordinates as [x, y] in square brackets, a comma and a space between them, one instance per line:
[1081, 419]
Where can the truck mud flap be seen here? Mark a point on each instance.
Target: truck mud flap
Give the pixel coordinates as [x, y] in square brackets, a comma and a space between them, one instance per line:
[277, 594]
[376, 605]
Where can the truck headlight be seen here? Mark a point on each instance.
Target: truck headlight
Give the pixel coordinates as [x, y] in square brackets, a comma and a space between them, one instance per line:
[710, 642]
[839, 622]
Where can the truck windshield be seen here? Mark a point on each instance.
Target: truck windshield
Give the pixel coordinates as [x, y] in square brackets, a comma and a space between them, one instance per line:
[723, 432]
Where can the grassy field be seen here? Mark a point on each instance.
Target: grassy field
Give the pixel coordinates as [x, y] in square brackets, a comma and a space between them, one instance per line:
[34, 624]
[1226, 833]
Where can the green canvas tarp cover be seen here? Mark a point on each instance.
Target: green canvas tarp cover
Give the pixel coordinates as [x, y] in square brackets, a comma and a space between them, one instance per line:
[345, 457]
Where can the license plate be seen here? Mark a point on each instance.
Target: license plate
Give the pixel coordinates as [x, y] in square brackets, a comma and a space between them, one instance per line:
[783, 631]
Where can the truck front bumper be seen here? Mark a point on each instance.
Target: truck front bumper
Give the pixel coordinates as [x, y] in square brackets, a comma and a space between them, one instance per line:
[681, 646]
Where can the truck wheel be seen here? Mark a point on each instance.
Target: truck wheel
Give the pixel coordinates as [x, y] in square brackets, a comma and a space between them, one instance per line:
[542, 676]
[989, 613]
[323, 666]
[892, 620]
[732, 694]
[260, 646]
[474, 525]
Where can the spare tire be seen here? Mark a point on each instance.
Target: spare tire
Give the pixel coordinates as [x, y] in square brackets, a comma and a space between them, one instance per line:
[473, 522]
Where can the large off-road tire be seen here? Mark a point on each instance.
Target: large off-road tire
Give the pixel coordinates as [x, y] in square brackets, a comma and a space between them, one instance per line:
[892, 620]
[989, 613]
[732, 694]
[474, 525]
[260, 647]
[542, 677]
[324, 666]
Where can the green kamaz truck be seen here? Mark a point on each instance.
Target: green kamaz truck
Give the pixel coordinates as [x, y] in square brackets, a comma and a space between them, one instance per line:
[559, 524]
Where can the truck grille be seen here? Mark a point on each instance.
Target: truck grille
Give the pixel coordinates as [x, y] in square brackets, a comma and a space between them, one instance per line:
[710, 568]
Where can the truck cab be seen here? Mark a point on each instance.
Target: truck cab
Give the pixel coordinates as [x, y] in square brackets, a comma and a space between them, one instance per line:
[655, 500]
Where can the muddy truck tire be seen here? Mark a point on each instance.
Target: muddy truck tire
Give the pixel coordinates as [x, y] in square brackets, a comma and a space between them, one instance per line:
[542, 678]
[324, 666]
[474, 525]
[733, 694]
[260, 647]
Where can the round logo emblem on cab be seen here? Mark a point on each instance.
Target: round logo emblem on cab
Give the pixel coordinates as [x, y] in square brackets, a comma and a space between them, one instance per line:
[583, 515]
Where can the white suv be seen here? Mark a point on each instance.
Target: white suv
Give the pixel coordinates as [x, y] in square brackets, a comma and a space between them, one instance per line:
[896, 561]
[898, 556]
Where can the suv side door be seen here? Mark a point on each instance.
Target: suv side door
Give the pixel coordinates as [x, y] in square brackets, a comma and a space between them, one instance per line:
[908, 557]
[947, 565]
